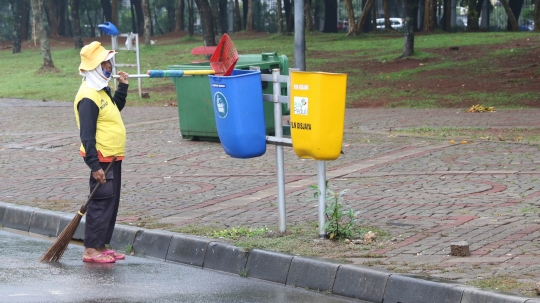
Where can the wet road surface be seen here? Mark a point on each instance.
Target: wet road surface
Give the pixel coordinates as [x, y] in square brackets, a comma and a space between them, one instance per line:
[136, 279]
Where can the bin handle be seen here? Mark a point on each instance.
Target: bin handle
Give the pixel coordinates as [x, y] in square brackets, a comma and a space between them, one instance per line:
[169, 73]
[269, 54]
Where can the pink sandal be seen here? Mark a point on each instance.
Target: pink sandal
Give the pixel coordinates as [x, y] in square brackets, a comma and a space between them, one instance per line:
[114, 254]
[95, 259]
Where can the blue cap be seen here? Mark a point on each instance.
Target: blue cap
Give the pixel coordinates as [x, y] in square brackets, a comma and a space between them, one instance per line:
[109, 29]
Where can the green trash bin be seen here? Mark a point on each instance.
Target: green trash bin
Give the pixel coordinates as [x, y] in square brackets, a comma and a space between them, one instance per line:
[195, 109]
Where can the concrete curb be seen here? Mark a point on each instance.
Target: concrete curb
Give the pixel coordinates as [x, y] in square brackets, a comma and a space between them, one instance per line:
[346, 280]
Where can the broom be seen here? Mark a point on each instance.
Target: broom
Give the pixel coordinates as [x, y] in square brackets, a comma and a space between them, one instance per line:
[57, 249]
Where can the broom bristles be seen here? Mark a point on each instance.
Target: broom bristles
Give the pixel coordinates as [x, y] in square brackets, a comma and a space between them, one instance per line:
[57, 249]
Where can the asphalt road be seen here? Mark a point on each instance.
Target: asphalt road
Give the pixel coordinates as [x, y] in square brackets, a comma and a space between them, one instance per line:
[137, 279]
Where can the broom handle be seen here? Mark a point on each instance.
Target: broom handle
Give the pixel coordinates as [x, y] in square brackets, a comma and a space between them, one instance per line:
[82, 211]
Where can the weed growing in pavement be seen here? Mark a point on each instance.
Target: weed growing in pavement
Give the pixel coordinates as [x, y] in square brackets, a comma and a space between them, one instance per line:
[240, 231]
[129, 249]
[505, 283]
[340, 221]
[243, 273]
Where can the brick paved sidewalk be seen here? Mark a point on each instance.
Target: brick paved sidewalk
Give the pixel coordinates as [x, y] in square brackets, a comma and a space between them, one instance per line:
[425, 193]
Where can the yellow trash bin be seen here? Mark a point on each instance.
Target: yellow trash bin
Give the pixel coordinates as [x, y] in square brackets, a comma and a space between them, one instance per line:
[317, 116]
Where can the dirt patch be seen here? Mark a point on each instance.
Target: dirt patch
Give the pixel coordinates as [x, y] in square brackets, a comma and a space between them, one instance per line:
[476, 72]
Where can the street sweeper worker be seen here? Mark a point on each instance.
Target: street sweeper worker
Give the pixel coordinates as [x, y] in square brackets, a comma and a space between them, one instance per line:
[103, 136]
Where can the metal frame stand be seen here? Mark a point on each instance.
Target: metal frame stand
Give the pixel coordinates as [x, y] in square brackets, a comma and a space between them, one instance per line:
[114, 42]
[280, 142]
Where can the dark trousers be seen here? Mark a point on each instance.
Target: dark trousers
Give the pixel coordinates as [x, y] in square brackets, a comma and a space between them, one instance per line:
[102, 210]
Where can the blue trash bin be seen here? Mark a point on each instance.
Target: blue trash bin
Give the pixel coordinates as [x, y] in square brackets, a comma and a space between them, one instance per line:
[239, 113]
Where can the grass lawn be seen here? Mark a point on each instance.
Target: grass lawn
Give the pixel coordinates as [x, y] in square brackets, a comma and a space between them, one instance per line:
[447, 70]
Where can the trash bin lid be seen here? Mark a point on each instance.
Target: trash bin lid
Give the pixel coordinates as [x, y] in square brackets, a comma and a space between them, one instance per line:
[109, 29]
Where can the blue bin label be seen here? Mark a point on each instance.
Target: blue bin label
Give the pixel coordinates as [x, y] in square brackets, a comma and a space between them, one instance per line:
[221, 105]
[218, 85]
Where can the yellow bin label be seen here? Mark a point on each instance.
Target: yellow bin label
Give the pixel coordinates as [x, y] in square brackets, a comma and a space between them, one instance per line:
[317, 102]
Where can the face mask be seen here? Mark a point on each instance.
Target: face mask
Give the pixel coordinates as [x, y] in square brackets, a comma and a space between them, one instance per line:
[106, 73]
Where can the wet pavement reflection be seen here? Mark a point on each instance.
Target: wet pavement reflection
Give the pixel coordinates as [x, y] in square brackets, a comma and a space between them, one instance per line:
[136, 279]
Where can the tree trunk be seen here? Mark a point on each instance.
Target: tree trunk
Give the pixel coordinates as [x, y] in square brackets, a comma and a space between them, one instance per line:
[223, 24]
[364, 15]
[511, 18]
[50, 8]
[447, 25]
[249, 22]
[387, 25]
[515, 6]
[77, 37]
[91, 24]
[330, 16]
[207, 22]
[537, 15]
[114, 12]
[191, 18]
[139, 16]
[350, 17]
[429, 16]
[374, 15]
[171, 15]
[16, 8]
[156, 20]
[308, 17]
[419, 16]
[151, 22]
[25, 19]
[472, 17]
[237, 16]
[245, 6]
[288, 16]
[435, 8]
[37, 10]
[408, 45]
[146, 14]
[62, 17]
[133, 17]
[316, 10]
[280, 28]
[215, 14]
[107, 9]
[179, 16]
[479, 4]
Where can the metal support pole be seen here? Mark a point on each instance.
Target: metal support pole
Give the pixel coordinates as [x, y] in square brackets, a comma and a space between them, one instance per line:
[138, 64]
[278, 124]
[299, 36]
[321, 178]
[114, 45]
